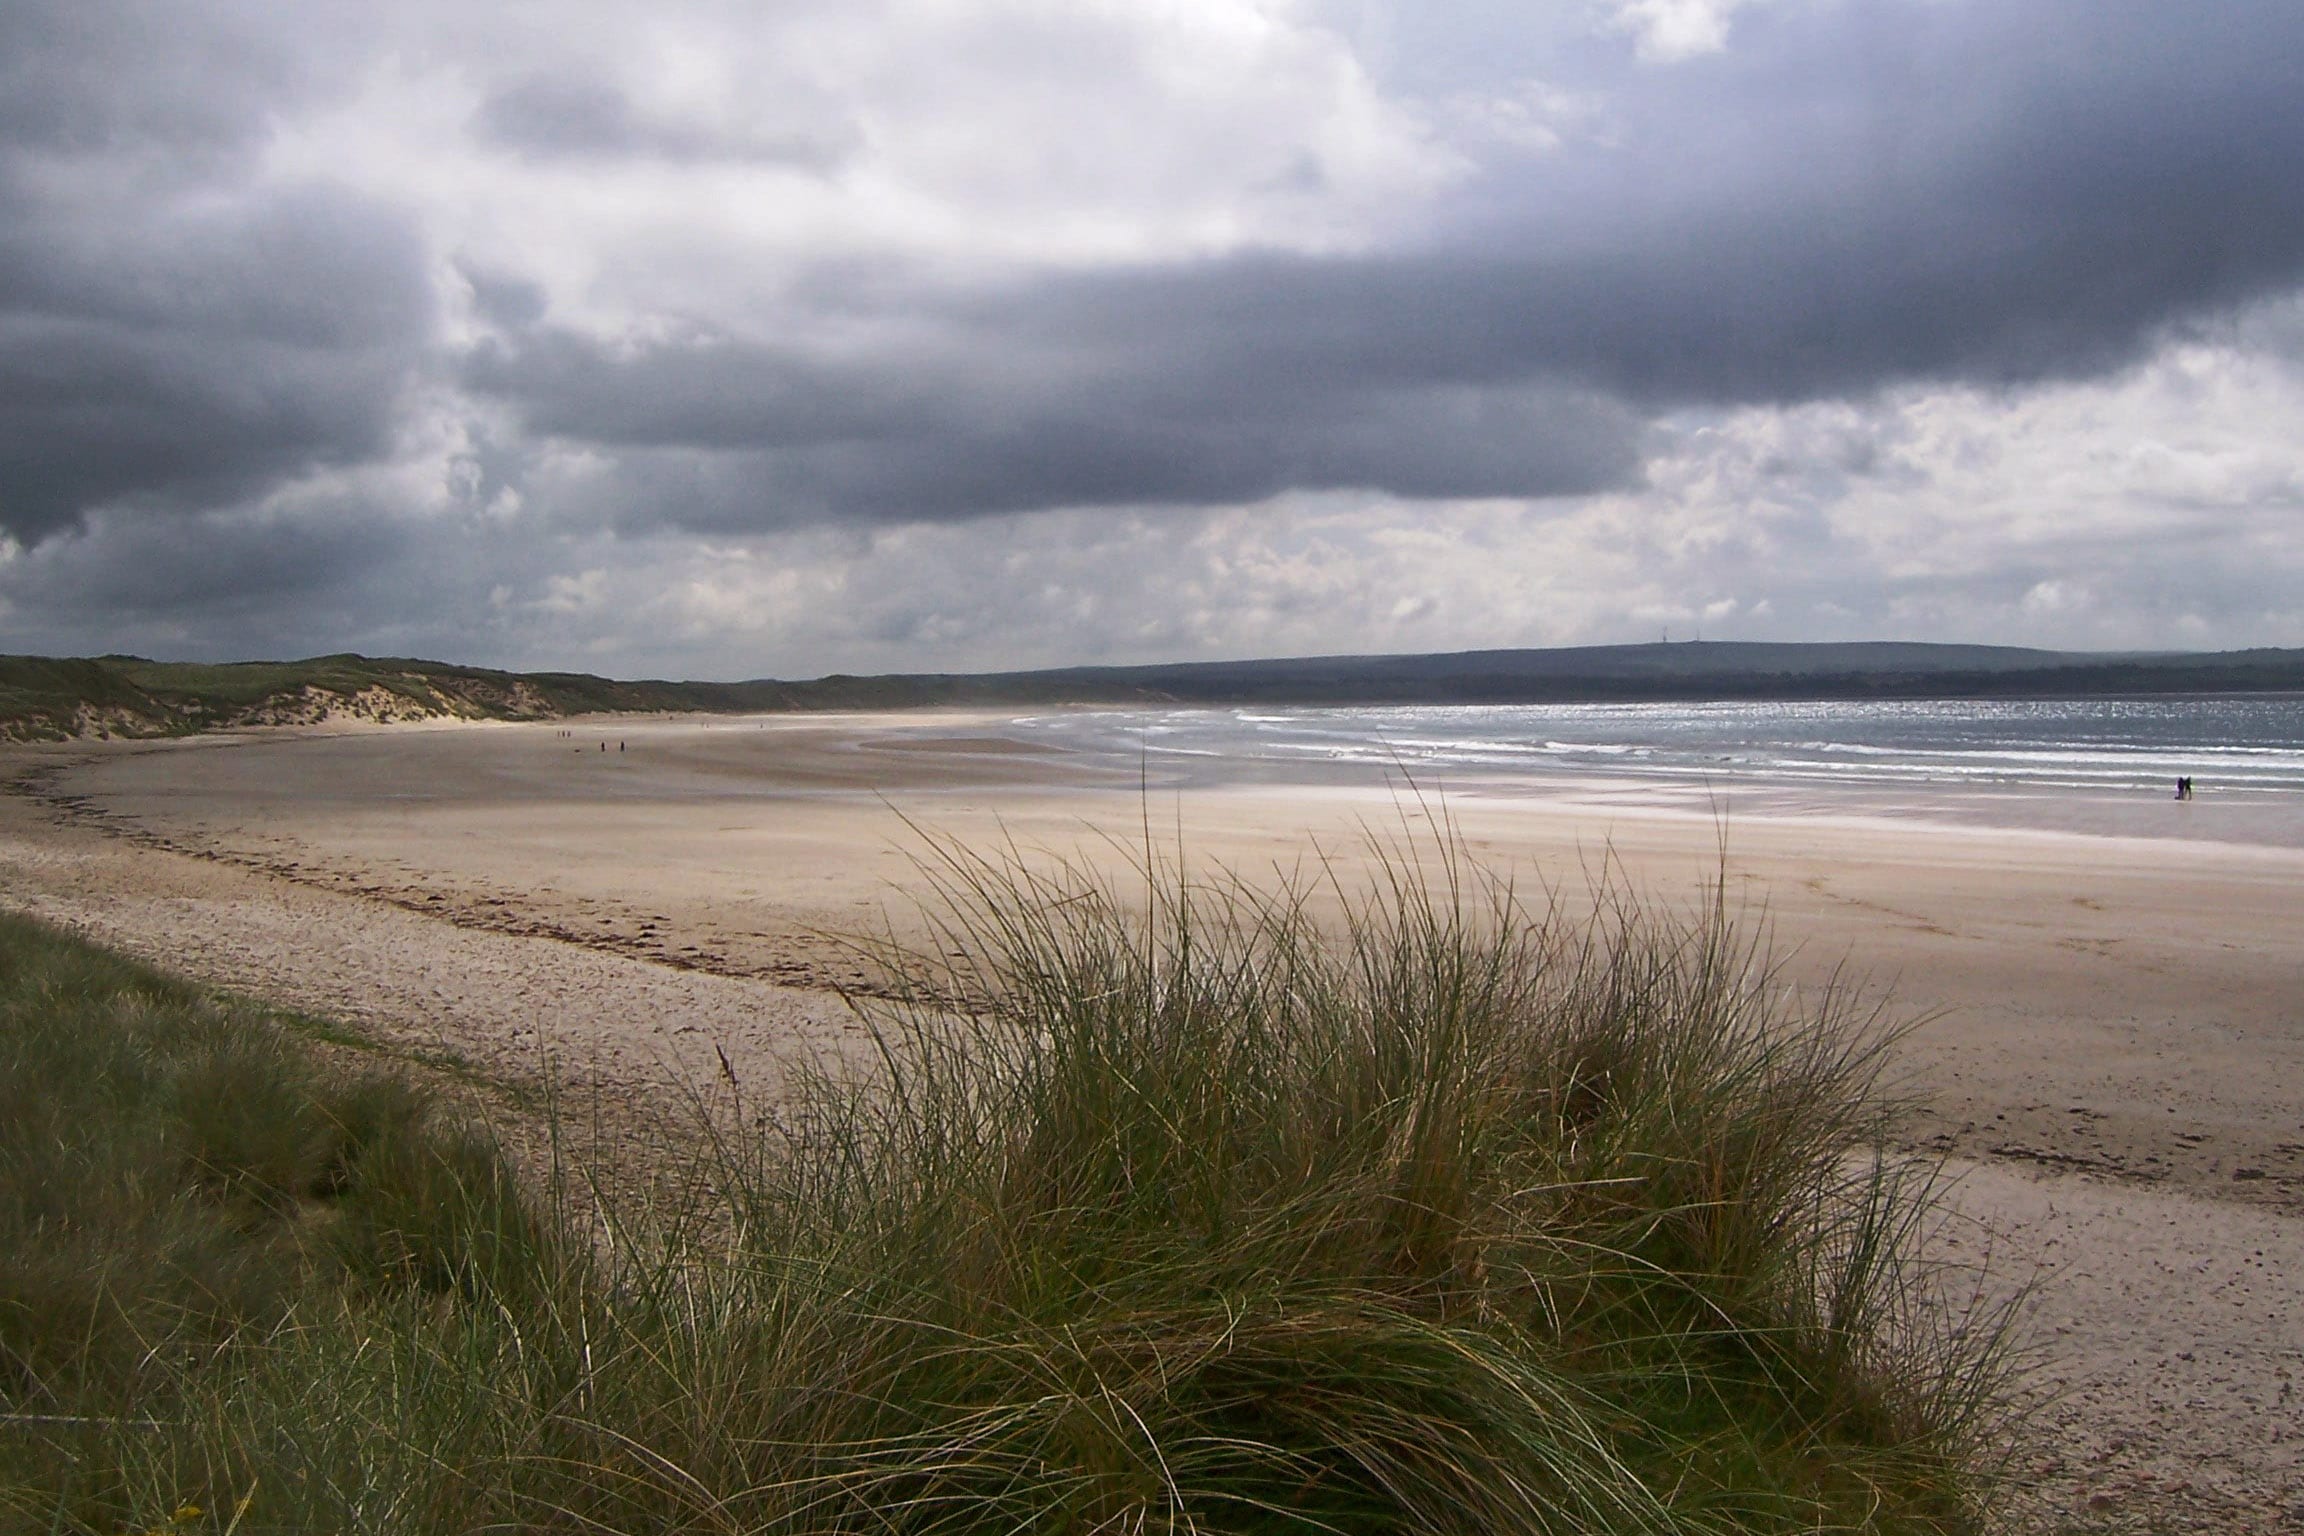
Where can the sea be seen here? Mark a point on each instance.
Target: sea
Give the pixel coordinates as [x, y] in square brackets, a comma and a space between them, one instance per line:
[2245, 750]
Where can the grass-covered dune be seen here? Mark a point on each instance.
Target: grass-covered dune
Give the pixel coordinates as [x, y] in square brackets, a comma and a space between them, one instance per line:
[50, 699]
[44, 698]
[1165, 1209]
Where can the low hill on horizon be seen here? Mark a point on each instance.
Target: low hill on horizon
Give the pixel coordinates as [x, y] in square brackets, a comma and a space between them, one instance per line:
[54, 699]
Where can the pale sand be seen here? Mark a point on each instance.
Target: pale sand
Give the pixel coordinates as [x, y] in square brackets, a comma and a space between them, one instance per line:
[2114, 1057]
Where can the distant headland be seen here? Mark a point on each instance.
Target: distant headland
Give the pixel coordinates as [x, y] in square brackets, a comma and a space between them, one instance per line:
[51, 699]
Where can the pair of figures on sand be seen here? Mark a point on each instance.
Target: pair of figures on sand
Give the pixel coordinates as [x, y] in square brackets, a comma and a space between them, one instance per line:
[2184, 788]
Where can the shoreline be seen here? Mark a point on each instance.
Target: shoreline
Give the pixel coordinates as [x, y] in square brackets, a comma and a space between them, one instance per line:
[2232, 817]
[2226, 817]
[2127, 979]
[1771, 806]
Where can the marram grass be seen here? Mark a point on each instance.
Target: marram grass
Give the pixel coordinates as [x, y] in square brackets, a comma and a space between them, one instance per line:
[1165, 1207]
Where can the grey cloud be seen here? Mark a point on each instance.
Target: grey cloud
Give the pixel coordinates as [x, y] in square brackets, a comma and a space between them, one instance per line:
[199, 365]
[93, 416]
[710, 391]
[551, 116]
[1851, 197]
[190, 361]
[2276, 327]
[311, 267]
[175, 569]
[726, 435]
[1854, 196]
[79, 78]
[1413, 443]
[174, 330]
[504, 300]
[208, 585]
[353, 572]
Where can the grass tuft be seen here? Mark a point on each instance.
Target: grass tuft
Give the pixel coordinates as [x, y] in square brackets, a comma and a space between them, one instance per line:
[1176, 1204]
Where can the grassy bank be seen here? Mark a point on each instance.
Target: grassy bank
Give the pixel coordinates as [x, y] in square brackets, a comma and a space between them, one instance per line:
[1192, 1218]
[183, 1187]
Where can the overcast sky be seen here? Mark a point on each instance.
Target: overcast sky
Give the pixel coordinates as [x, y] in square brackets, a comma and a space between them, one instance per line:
[730, 338]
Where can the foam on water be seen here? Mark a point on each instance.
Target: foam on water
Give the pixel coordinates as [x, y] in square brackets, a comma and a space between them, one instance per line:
[2251, 745]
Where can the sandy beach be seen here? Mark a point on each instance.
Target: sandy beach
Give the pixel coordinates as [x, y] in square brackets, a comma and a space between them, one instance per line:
[2110, 1047]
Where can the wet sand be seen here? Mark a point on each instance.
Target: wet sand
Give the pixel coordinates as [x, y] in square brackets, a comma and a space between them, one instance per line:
[2112, 1052]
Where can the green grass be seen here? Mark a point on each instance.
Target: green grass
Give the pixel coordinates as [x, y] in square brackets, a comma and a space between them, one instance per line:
[44, 699]
[180, 1180]
[1166, 1208]
[52, 699]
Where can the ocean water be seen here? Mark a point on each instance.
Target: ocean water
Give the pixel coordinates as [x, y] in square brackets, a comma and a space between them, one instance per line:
[2247, 746]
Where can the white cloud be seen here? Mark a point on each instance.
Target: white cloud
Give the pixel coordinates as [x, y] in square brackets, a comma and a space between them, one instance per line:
[1668, 31]
[2159, 506]
[974, 136]
[1524, 115]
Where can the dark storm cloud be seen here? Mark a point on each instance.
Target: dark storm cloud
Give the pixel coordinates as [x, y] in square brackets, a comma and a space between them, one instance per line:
[210, 585]
[353, 574]
[175, 332]
[724, 435]
[184, 361]
[172, 570]
[1849, 197]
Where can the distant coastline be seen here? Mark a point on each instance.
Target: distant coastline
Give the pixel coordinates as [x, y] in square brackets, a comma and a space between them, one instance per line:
[54, 699]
